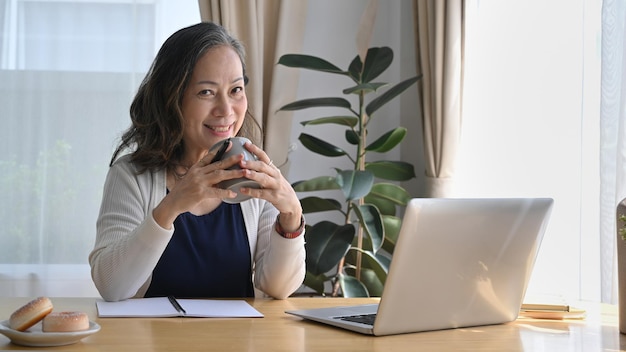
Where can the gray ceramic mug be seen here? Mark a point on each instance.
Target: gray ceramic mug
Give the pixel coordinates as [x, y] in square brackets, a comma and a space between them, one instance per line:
[236, 147]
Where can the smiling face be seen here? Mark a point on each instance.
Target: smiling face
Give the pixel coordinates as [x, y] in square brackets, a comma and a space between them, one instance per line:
[214, 103]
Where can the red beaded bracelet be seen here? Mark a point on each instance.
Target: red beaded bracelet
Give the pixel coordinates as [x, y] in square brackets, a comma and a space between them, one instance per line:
[293, 234]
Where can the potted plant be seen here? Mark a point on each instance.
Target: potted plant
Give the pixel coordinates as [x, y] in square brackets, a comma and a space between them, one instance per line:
[353, 255]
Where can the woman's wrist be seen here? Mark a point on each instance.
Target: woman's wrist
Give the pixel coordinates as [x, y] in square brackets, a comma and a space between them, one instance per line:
[286, 228]
[163, 214]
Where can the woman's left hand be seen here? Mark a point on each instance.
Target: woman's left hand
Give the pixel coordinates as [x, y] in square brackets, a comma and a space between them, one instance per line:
[274, 187]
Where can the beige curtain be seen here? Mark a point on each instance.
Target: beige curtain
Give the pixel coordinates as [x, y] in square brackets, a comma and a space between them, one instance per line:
[268, 29]
[439, 56]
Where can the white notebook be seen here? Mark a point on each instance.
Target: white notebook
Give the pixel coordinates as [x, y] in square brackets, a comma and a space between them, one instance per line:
[163, 307]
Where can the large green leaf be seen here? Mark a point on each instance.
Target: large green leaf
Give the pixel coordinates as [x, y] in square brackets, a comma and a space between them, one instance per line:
[376, 62]
[392, 229]
[309, 62]
[384, 261]
[372, 222]
[321, 183]
[316, 103]
[319, 146]
[325, 244]
[355, 184]
[387, 141]
[317, 204]
[385, 207]
[355, 69]
[390, 192]
[370, 261]
[352, 137]
[351, 287]
[375, 104]
[349, 121]
[315, 282]
[366, 242]
[391, 170]
[364, 87]
[369, 279]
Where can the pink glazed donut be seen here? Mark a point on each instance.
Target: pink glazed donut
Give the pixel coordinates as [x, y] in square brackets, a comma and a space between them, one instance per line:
[65, 322]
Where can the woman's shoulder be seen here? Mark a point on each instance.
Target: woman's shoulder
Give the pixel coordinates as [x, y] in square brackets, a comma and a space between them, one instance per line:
[125, 167]
[123, 164]
[123, 161]
[126, 163]
[124, 170]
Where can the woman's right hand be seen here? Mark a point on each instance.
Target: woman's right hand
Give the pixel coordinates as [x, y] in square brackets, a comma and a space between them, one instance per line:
[197, 190]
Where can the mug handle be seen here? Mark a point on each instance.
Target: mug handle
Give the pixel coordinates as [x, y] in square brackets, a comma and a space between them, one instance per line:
[221, 151]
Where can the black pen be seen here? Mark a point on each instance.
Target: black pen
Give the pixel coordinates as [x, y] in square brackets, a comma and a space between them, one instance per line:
[221, 151]
[176, 305]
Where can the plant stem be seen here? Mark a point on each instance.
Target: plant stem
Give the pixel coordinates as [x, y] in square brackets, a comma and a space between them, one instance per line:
[360, 166]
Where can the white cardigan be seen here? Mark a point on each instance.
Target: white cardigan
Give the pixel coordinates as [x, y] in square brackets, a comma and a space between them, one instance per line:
[129, 242]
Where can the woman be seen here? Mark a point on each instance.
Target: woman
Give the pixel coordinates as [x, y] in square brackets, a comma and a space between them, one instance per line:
[163, 228]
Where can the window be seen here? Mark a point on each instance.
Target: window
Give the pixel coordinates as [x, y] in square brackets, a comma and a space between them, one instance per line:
[530, 126]
[68, 72]
[79, 36]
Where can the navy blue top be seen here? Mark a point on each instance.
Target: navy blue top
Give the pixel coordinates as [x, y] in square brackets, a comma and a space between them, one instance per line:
[208, 256]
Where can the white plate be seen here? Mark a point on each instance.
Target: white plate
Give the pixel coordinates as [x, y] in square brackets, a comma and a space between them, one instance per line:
[37, 338]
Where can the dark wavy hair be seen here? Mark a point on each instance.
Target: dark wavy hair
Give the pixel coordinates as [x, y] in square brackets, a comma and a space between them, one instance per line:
[155, 137]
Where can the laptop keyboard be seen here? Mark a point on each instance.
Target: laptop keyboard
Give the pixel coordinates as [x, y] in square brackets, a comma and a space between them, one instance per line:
[367, 319]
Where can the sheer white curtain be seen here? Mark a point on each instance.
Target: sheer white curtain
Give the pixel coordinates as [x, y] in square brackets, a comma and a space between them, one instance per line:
[613, 132]
[531, 127]
[68, 72]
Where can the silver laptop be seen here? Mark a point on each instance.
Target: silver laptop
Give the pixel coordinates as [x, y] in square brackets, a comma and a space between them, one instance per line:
[457, 263]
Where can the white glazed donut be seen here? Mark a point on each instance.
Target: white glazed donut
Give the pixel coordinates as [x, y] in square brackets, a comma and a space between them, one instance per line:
[65, 322]
[30, 313]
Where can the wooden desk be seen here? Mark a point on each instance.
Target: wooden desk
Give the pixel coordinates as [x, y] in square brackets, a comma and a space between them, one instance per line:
[281, 332]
